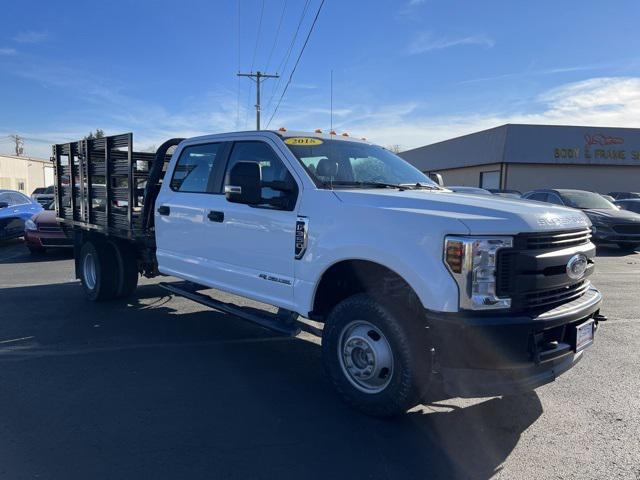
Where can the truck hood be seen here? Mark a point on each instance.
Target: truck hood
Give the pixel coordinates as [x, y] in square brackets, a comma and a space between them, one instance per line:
[480, 214]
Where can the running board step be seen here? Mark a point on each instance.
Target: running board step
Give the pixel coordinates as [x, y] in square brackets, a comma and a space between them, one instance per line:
[283, 322]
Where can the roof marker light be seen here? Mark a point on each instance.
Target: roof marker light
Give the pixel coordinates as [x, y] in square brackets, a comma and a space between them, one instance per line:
[282, 129]
[318, 130]
[345, 134]
[332, 132]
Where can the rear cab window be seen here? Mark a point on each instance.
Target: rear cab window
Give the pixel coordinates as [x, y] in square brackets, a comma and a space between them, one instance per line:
[194, 169]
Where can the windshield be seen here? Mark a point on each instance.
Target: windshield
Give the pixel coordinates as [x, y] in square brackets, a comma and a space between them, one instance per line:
[339, 163]
[586, 200]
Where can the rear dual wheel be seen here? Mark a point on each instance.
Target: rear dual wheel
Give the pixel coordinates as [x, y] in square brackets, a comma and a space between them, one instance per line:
[108, 270]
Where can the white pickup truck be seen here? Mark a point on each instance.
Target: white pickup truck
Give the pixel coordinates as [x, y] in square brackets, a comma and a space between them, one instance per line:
[423, 293]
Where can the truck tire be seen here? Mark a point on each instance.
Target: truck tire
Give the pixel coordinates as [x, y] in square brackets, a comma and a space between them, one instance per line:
[98, 271]
[629, 246]
[127, 268]
[372, 358]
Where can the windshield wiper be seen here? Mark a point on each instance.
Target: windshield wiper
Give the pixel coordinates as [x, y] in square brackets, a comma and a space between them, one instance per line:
[419, 185]
[359, 184]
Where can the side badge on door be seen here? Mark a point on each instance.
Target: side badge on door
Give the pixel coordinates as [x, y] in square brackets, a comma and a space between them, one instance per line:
[301, 237]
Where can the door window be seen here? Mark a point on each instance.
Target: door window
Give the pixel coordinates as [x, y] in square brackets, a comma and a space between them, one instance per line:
[193, 171]
[272, 170]
[538, 196]
[553, 198]
[15, 198]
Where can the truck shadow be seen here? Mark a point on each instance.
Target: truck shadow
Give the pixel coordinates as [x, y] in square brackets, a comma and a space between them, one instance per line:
[160, 387]
[611, 250]
[15, 251]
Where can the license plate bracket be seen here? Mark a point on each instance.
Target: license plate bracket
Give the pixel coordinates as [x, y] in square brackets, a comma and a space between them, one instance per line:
[584, 335]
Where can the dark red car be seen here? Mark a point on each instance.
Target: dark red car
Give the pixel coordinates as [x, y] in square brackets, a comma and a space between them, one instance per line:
[42, 231]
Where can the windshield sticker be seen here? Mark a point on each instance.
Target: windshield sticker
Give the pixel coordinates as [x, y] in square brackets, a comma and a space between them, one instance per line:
[303, 141]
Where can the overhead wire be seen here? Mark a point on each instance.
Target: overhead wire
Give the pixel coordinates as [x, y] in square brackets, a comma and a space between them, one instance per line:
[293, 71]
[238, 89]
[275, 40]
[255, 50]
[285, 60]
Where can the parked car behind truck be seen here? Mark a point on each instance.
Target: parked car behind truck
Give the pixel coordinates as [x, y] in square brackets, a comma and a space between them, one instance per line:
[422, 292]
[42, 232]
[609, 223]
[15, 209]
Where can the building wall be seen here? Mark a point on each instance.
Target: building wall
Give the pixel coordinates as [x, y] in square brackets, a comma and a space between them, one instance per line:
[597, 178]
[467, 176]
[24, 174]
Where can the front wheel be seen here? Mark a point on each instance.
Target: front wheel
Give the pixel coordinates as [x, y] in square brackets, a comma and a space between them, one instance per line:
[373, 357]
[629, 247]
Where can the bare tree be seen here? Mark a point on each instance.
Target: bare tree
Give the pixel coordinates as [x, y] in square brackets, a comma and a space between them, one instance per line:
[99, 133]
[394, 148]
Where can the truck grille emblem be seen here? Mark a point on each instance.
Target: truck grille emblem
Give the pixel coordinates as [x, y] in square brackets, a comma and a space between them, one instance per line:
[576, 266]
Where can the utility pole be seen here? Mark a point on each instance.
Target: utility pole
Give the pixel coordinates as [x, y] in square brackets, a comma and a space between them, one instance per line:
[19, 147]
[256, 78]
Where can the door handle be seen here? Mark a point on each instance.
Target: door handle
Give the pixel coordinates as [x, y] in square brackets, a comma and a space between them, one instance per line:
[164, 210]
[216, 216]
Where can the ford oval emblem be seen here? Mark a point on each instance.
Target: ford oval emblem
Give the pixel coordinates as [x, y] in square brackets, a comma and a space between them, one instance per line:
[576, 266]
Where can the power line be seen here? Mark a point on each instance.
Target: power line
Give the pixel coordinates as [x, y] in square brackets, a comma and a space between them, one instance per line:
[255, 50]
[275, 40]
[304, 46]
[238, 96]
[285, 60]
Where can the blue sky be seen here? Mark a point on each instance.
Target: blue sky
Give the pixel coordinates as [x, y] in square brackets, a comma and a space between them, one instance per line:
[406, 72]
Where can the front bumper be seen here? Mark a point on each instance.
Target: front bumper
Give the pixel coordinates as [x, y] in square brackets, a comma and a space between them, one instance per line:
[38, 239]
[477, 355]
[607, 235]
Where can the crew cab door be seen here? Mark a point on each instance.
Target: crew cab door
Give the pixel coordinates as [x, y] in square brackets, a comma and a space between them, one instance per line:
[185, 236]
[259, 248]
[203, 237]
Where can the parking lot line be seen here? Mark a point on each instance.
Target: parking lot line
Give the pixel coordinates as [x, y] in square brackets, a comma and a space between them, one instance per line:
[13, 340]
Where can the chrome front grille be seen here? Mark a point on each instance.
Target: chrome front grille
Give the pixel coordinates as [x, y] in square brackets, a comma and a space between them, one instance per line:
[49, 229]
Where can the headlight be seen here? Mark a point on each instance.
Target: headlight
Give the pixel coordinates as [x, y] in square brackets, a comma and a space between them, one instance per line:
[30, 225]
[472, 262]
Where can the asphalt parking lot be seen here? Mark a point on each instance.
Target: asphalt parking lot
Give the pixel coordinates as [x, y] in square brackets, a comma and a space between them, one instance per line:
[160, 387]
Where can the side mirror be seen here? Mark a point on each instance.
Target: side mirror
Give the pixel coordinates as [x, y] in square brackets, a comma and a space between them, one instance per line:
[4, 204]
[436, 177]
[244, 183]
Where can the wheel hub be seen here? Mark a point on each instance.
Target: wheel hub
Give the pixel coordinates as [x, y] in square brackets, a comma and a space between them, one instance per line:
[89, 271]
[365, 356]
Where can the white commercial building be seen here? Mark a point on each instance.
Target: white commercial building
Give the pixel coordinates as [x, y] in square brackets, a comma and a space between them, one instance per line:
[24, 174]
